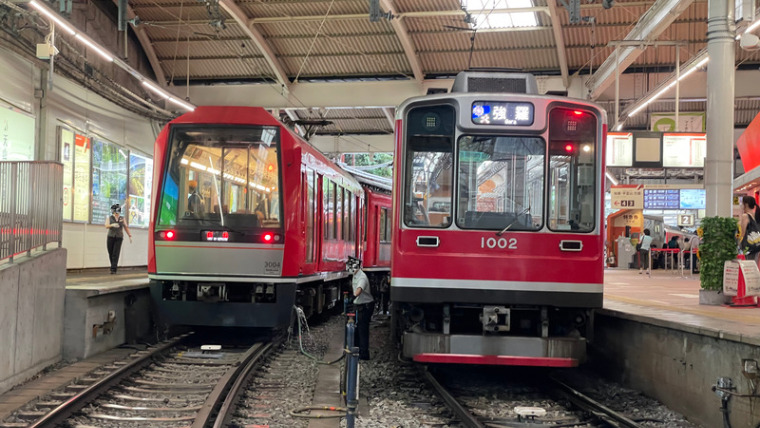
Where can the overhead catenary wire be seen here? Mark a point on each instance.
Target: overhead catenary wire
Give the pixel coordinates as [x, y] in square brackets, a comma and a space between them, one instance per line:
[314, 40]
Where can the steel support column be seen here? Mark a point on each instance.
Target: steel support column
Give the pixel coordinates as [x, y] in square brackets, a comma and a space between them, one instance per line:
[719, 165]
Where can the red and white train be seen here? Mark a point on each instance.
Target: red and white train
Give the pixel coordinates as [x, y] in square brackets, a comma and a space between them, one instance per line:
[249, 220]
[497, 223]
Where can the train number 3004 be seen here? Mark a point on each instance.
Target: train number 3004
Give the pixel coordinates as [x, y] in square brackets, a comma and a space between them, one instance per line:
[502, 243]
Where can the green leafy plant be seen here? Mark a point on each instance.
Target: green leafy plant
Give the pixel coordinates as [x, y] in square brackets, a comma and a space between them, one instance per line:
[718, 245]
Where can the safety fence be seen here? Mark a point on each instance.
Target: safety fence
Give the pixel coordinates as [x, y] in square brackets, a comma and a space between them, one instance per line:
[31, 206]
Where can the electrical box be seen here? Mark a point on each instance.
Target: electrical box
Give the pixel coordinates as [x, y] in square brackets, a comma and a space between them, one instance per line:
[45, 51]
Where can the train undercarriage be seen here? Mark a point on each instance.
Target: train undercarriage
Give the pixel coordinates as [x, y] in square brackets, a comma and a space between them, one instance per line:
[492, 334]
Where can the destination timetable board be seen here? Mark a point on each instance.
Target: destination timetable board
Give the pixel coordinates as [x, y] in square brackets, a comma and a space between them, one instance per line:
[661, 199]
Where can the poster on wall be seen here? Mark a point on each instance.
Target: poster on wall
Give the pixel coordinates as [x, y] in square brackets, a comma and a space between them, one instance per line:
[687, 122]
[109, 179]
[66, 157]
[140, 183]
[16, 136]
[82, 152]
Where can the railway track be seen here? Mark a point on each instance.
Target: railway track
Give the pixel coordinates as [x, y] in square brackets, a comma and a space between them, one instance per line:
[166, 384]
[569, 408]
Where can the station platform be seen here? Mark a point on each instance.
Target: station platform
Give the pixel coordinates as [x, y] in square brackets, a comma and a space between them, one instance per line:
[670, 300]
[654, 336]
[103, 311]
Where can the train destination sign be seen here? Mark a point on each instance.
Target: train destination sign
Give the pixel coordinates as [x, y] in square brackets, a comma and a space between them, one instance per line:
[502, 113]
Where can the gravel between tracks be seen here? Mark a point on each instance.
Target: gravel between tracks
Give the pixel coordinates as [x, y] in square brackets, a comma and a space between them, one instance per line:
[393, 402]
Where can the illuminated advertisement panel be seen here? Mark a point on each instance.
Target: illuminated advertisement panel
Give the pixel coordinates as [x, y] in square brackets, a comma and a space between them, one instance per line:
[67, 159]
[140, 183]
[16, 136]
[619, 149]
[109, 179]
[82, 150]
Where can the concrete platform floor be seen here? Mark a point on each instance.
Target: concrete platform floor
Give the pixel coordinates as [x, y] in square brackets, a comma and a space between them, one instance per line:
[673, 300]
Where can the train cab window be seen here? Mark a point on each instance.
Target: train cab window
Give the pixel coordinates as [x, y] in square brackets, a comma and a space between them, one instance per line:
[501, 183]
[429, 166]
[222, 176]
[572, 162]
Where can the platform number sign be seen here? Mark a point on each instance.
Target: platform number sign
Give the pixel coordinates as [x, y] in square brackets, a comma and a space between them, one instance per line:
[686, 219]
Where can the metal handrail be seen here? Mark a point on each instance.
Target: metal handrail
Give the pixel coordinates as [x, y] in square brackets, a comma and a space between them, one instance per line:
[31, 206]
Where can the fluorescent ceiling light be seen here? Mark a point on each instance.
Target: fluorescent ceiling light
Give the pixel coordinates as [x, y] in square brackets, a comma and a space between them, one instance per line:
[182, 104]
[52, 16]
[155, 89]
[43, 9]
[94, 47]
[659, 93]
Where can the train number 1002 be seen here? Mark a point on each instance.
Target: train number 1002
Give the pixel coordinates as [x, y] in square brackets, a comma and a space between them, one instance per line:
[503, 243]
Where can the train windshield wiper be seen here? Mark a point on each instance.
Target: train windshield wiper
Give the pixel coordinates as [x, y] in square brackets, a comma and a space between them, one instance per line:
[517, 217]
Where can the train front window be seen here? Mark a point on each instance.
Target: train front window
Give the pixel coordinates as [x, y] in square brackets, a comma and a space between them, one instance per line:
[572, 161]
[429, 166]
[222, 176]
[501, 183]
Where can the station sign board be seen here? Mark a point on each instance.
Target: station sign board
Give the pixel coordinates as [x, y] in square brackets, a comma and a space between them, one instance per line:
[628, 197]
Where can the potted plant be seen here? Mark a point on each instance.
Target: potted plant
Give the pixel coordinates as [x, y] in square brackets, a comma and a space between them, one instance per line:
[718, 235]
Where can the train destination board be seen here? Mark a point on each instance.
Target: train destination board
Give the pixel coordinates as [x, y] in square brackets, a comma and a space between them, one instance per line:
[661, 199]
[502, 113]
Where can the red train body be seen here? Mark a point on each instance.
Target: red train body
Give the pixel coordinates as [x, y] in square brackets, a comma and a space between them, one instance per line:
[498, 224]
[248, 220]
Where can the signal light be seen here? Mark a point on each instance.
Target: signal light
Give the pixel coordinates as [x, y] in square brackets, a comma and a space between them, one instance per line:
[209, 235]
[268, 237]
[225, 235]
[569, 148]
[169, 235]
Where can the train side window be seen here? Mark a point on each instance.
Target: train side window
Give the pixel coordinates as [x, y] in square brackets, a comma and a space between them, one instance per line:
[339, 213]
[365, 222]
[572, 162]
[383, 225]
[347, 216]
[327, 208]
[428, 168]
[501, 182]
[310, 211]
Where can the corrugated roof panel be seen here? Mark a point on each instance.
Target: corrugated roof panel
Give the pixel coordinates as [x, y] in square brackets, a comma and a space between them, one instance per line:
[197, 31]
[426, 5]
[534, 59]
[357, 126]
[262, 9]
[349, 65]
[354, 113]
[191, 11]
[200, 49]
[502, 40]
[338, 45]
[435, 23]
[217, 69]
[347, 27]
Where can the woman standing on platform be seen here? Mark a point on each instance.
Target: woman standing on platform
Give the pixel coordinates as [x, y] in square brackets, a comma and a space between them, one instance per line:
[116, 227]
[749, 227]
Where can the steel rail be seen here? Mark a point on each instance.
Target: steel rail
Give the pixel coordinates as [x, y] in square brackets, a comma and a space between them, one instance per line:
[233, 375]
[597, 409]
[236, 389]
[66, 409]
[468, 419]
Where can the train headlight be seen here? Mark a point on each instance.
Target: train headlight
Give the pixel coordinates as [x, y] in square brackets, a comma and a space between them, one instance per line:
[168, 235]
[268, 237]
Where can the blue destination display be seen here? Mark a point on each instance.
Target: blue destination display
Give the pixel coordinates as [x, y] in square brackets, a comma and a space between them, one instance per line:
[661, 199]
[502, 113]
[692, 199]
